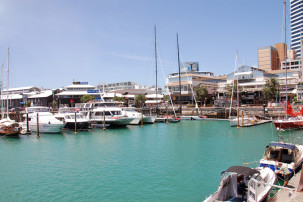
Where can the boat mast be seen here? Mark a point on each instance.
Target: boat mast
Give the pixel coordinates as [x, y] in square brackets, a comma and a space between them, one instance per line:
[2, 90]
[179, 74]
[156, 70]
[7, 83]
[285, 52]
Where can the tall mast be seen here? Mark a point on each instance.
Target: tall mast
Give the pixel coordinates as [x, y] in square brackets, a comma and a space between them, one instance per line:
[156, 69]
[2, 90]
[179, 74]
[285, 52]
[7, 83]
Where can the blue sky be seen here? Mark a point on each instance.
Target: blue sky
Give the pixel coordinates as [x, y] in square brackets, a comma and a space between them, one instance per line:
[53, 42]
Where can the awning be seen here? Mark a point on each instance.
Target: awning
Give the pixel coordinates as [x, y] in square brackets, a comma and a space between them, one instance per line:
[283, 145]
[242, 170]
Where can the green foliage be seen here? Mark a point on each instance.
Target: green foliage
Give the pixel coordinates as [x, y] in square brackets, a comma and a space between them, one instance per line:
[270, 89]
[118, 99]
[54, 104]
[140, 100]
[86, 98]
[166, 98]
[28, 104]
[201, 93]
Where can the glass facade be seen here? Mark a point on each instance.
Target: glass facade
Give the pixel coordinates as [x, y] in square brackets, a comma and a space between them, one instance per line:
[296, 22]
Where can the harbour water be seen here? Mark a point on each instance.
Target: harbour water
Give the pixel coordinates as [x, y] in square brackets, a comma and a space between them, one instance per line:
[159, 162]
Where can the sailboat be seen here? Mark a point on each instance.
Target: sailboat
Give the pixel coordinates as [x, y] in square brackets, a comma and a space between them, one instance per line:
[243, 120]
[8, 127]
[296, 120]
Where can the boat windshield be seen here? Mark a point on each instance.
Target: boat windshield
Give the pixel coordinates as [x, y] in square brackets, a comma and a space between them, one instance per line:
[280, 154]
[37, 109]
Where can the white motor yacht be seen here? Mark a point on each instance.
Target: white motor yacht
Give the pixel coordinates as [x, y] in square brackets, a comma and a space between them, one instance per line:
[47, 121]
[132, 113]
[67, 115]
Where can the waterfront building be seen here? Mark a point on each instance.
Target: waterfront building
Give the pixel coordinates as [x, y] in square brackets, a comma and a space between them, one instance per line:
[291, 64]
[296, 23]
[119, 86]
[250, 81]
[191, 78]
[73, 93]
[18, 97]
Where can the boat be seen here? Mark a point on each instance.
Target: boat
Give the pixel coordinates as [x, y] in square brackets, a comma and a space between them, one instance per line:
[197, 117]
[236, 184]
[132, 113]
[164, 119]
[295, 121]
[242, 121]
[70, 115]
[8, 127]
[286, 153]
[48, 123]
[108, 114]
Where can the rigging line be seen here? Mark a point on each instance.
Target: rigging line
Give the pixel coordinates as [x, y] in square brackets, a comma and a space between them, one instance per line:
[232, 90]
[163, 73]
[191, 86]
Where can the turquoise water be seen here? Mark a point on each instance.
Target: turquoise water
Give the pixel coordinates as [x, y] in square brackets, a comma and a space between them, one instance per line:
[159, 162]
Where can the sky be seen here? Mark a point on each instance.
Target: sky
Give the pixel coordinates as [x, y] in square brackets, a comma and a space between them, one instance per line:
[55, 42]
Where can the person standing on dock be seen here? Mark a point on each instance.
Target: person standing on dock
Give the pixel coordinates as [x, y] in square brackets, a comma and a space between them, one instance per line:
[285, 172]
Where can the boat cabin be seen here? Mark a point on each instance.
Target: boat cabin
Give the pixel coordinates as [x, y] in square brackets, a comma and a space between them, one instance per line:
[282, 152]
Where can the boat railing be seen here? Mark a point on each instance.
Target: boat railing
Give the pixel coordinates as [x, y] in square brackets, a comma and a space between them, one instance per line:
[254, 191]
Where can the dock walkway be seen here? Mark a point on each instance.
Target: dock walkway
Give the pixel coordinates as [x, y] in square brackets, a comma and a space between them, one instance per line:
[290, 196]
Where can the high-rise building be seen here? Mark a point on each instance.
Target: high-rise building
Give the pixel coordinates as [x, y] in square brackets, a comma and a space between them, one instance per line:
[296, 25]
[268, 58]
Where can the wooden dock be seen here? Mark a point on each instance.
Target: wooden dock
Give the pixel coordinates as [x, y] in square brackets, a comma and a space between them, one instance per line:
[257, 123]
[286, 195]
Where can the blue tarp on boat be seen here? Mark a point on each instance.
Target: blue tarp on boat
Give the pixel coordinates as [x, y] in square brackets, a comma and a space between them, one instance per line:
[283, 145]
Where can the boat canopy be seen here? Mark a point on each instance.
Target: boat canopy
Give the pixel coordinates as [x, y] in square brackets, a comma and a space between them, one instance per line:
[287, 146]
[242, 170]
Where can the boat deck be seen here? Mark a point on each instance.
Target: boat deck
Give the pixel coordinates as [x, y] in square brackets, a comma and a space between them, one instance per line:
[287, 195]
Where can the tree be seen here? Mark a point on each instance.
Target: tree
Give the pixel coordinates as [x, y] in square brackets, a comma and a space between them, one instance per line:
[201, 93]
[140, 100]
[86, 98]
[28, 104]
[270, 89]
[118, 99]
[166, 98]
[54, 104]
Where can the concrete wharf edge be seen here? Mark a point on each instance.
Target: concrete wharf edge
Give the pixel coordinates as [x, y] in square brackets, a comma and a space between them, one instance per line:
[290, 196]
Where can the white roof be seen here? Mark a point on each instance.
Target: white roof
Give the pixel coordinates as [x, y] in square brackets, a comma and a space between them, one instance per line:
[112, 95]
[43, 94]
[154, 96]
[153, 101]
[11, 96]
[77, 93]
[18, 89]
[244, 73]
